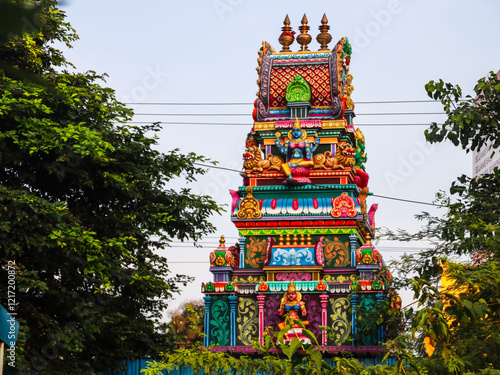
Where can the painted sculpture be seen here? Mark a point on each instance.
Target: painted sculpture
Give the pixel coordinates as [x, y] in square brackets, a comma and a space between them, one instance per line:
[292, 308]
[304, 249]
[298, 152]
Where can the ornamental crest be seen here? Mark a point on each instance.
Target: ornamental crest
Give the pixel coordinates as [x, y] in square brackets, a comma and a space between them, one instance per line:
[298, 90]
[249, 207]
[343, 206]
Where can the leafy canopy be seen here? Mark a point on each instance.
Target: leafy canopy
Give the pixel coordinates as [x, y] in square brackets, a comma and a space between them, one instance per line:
[85, 210]
[457, 324]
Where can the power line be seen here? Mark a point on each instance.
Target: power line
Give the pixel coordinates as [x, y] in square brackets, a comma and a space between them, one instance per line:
[375, 195]
[249, 114]
[407, 200]
[251, 103]
[380, 248]
[217, 167]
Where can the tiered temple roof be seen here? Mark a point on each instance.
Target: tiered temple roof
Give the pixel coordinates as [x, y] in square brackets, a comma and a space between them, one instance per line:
[305, 231]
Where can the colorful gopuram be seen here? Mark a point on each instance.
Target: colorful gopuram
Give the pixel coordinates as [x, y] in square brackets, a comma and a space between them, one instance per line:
[305, 232]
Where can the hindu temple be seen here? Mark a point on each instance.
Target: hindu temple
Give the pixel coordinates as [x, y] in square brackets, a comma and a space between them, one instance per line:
[304, 226]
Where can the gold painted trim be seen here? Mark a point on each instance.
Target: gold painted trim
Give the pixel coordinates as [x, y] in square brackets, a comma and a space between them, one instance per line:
[334, 124]
[262, 126]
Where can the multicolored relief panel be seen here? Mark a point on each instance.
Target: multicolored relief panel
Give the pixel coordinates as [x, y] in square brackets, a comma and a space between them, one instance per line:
[293, 256]
[255, 252]
[247, 321]
[339, 315]
[337, 251]
[368, 302]
[219, 325]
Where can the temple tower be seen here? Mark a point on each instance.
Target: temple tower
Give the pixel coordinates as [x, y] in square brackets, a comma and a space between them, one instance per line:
[304, 228]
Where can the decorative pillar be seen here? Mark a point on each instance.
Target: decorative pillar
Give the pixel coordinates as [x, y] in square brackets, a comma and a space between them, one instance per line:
[324, 303]
[354, 302]
[352, 242]
[349, 115]
[241, 241]
[233, 298]
[381, 333]
[206, 327]
[260, 299]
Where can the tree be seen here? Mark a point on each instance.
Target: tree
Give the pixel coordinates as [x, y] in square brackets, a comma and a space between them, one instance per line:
[85, 210]
[185, 328]
[460, 324]
[472, 123]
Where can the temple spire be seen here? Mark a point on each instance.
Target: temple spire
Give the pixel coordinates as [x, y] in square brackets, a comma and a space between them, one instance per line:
[222, 241]
[304, 38]
[287, 35]
[324, 37]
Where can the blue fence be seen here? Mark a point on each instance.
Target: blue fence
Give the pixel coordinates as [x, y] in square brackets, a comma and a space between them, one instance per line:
[134, 368]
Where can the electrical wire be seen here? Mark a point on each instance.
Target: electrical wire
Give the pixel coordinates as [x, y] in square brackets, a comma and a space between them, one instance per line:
[407, 200]
[216, 167]
[249, 114]
[251, 103]
[375, 195]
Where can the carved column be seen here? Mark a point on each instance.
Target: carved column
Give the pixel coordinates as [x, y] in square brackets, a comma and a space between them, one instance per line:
[260, 299]
[206, 328]
[352, 242]
[233, 298]
[324, 316]
[381, 332]
[241, 241]
[354, 302]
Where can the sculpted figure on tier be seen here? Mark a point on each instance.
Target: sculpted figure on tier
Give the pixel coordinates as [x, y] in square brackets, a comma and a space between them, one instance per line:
[297, 148]
[291, 305]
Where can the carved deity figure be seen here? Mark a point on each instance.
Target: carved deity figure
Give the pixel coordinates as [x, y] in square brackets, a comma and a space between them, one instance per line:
[291, 304]
[297, 148]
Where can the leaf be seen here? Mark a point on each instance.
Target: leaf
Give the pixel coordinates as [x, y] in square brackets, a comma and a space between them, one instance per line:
[479, 311]
[316, 355]
[310, 336]
[469, 306]
[294, 345]
[286, 350]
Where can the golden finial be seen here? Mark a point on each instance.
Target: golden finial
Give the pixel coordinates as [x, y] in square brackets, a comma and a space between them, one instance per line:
[287, 35]
[291, 287]
[296, 124]
[368, 239]
[304, 38]
[324, 37]
[222, 241]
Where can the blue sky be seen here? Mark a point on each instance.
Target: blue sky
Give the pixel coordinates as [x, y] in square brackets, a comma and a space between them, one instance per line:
[206, 51]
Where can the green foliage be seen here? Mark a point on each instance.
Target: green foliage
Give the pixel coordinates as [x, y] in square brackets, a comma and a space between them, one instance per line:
[277, 357]
[457, 326]
[471, 123]
[185, 328]
[85, 210]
